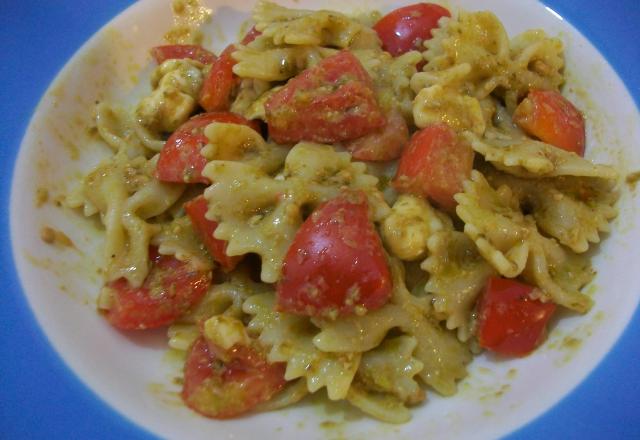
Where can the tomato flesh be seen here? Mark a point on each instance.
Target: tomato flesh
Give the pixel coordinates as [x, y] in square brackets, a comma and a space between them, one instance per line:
[434, 165]
[220, 82]
[335, 265]
[405, 28]
[181, 51]
[218, 85]
[196, 210]
[384, 144]
[180, 160]
[510, 322]
[226, 390]
[171, 288]
[331, 102]
[553, 119]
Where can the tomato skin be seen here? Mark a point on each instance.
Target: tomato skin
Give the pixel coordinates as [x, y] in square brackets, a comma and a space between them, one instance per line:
[218, 85]
[553, 119]
[331, 102]
[434, 165]
[196, 210]
[180, 160]
[171, 288]
[405, 28]
[510, 322]
[181, 51]
[384, 144]
[336, 262]
[226, 390]
[251, 35]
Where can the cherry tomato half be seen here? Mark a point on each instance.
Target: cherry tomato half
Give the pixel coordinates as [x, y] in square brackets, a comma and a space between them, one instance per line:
[510, 322]
[336, 262]
[404, 29]
[553, 119]
[331, 102]
[224, 390]
[434, 165]
[171, 288]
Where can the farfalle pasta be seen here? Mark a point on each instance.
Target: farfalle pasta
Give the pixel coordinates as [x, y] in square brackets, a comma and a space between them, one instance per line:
[309, 28]
[511, 242]
[474, 39]
[528, 158]
[290, 339]
[572, 210]
[457, 275]
[328, 206]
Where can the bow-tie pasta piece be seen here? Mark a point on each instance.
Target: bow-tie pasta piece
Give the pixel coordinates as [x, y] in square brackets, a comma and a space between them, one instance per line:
[308, 28]
[125, 194]
[279, 63]
[290, 340]
[457, 275]
[475, 39]
[528, 158]
[254, 109]
[391, 367]
[391, 77]
[241, 143]
[358, 333]
[178, 238]
[574, 210]
[442, 355]
[265, 223]
[493, 220]
[250, 91]
[511, 243]
[558, 273]
[117, 128]
[385, 381]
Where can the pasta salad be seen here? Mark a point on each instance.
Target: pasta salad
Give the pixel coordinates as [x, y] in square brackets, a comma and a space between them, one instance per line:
[353, 203]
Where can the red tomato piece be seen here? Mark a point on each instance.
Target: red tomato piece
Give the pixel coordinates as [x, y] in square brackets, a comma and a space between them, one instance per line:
[180, 160]
[553, 119]
[222, 391]
[181, 51]
[171, 288]
[218, 85]
[196, 210]
[510, 322]
[384, 144]
[404, 29]
[335, 264]
[251, 35]
[330, 102]
[434, 165]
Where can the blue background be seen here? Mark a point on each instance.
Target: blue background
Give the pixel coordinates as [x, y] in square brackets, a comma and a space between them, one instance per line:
[41, 398]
